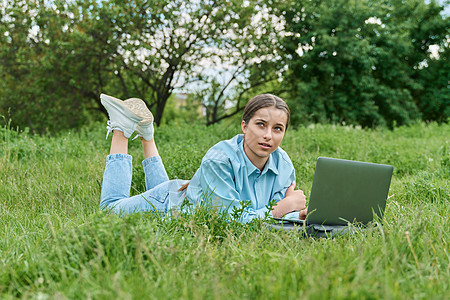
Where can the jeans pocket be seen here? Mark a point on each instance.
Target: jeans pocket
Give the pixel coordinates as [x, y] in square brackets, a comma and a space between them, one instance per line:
[159, 197]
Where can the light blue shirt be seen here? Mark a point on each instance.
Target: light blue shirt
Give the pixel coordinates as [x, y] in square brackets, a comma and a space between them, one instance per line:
[227, 177]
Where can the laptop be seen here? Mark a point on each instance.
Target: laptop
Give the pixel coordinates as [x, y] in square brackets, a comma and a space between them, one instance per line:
[345, 191]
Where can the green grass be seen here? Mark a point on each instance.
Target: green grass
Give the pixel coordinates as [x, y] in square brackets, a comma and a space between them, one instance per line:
[55, 243]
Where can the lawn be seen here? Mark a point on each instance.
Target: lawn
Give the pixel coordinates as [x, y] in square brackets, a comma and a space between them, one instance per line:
[55, 242]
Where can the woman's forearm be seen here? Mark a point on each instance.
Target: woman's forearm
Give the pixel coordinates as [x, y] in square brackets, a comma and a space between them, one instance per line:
[280, 209]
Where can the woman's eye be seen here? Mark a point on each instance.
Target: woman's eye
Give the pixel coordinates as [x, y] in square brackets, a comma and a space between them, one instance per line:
[260, 124]
[278, 128]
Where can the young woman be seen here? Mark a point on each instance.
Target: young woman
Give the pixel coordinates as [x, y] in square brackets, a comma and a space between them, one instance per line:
[250, 166]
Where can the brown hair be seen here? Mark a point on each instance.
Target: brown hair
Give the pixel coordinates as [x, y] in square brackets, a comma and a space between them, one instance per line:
[262, 101]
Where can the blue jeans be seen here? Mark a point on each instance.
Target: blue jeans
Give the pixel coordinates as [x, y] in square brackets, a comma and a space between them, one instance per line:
[115, 195]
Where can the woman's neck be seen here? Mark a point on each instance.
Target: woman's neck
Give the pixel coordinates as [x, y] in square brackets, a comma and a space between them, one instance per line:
[257, 161]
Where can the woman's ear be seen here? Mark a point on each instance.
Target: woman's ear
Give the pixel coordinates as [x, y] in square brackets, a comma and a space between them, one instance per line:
[243, 126]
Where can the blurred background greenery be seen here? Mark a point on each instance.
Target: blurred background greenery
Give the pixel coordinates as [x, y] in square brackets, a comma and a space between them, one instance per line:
[359, 62]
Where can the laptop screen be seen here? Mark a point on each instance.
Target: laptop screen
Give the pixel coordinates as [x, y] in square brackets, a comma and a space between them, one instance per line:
[348, 191]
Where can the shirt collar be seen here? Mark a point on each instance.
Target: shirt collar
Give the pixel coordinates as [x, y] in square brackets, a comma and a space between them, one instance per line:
[270, 164]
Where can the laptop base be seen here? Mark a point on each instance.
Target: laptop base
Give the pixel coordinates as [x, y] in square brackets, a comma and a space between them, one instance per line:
[314, 230]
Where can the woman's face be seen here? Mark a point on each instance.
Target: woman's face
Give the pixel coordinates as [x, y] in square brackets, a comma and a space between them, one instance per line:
[263, 134]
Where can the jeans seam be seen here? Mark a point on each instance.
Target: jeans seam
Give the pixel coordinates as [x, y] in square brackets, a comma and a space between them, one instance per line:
[118, 156]
[161, 199]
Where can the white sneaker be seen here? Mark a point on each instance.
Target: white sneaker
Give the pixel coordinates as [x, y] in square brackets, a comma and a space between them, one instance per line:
[145, 129]
[124, 115]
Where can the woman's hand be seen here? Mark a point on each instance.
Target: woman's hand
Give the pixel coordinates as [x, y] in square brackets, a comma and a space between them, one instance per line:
[303, 213]
[294, 200]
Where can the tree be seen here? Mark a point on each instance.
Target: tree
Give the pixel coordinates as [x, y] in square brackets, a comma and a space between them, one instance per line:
[48, 74]
[130, 48]
[225, 99]
[433, 99]
[354, 61]
[17, 59]
[252, 65]
[164, 45]
[428, 29]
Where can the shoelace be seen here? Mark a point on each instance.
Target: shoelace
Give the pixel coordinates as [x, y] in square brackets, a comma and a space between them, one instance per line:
[109, 128]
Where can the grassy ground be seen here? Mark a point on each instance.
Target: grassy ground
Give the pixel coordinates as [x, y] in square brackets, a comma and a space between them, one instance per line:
[54, 242]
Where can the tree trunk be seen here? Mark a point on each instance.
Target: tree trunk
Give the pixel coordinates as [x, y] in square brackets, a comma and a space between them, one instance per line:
[160, 105]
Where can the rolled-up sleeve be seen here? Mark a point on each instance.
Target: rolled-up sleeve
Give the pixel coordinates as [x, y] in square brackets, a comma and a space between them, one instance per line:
[287, 181]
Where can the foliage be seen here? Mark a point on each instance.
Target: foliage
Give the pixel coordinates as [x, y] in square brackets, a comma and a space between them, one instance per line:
[359, 62]
[182, 108]
[133, 48]
[56, 244]
[433, 99]
[49, 67]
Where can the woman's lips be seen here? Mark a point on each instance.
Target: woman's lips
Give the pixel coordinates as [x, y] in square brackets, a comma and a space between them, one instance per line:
[265, 145]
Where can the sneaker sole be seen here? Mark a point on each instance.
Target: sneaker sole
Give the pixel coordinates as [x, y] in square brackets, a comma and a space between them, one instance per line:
[132, 108]
[139, 107]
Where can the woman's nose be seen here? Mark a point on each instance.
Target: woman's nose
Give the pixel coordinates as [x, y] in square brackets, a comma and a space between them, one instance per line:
[267, 134]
